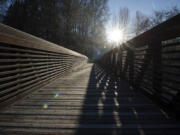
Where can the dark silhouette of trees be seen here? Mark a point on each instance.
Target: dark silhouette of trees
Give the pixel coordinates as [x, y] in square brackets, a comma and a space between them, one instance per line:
[3, 8]
[124, 17]
[163, 15]
[75, 24]
[143, 23]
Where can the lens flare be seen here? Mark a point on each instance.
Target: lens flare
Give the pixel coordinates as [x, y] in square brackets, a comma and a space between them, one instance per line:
[45, 106]
[57, 94]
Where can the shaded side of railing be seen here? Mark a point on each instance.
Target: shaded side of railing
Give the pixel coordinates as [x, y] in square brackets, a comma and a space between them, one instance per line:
[150, 63]
[28, 62]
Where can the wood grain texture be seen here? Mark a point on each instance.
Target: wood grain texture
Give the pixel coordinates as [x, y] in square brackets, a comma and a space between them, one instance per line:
[87, 101]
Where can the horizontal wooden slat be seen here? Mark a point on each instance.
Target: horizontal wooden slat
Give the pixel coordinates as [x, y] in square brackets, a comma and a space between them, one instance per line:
[27, 61]
[15, 37]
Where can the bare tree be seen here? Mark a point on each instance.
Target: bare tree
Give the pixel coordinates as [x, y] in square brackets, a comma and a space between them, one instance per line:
[123, 17]
[142, 23]
[121, 21]
[73, 23]
[163, 15]
[174, 11]
[3, 8]
[114, 20]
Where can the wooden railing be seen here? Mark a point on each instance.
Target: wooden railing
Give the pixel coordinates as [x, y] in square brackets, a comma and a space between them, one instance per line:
[150, 63]
[28, 62]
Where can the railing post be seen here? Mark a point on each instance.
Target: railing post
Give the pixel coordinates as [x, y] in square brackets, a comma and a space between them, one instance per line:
[145, 63]
[131, 67]
[157, 67]
[112, 62]
[120, 60]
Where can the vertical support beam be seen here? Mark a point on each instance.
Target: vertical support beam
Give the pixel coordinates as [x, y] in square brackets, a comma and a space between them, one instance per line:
[112, 64]
[131, 67]
[126, 65]
[115, 62]
[147, 59]
[120, 59]
[157, 67]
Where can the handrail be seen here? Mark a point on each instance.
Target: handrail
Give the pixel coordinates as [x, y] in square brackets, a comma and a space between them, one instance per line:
[13, 36]
[28, 62]
[150, 63]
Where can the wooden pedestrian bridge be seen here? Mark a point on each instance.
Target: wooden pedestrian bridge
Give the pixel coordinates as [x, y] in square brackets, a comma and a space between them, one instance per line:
[134, 89]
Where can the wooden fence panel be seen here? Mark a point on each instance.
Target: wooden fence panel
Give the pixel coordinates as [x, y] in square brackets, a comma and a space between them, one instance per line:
[28, 62]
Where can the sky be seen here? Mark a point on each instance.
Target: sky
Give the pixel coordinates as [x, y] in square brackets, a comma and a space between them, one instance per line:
[145, 6]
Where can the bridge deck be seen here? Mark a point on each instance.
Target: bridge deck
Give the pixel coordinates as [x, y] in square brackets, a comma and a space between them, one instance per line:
[87, 101]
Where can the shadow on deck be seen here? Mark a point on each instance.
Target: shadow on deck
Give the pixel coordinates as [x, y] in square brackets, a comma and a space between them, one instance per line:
[111, 107]
[106, 106]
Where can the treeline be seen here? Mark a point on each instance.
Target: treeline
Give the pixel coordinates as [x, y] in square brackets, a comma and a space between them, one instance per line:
[74, 24]
[77, 24]
[143, 22]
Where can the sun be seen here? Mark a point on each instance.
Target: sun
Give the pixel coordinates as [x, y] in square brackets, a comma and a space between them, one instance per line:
[115, 35]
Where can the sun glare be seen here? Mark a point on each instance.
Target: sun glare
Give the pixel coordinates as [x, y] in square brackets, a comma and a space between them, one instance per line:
[115, 35]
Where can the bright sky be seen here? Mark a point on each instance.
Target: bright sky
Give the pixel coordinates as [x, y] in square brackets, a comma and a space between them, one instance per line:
[145, 6]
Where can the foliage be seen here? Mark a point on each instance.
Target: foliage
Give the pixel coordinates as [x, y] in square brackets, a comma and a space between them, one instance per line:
[75, 24]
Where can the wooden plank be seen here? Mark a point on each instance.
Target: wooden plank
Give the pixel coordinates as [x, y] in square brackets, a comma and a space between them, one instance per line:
[83, 108]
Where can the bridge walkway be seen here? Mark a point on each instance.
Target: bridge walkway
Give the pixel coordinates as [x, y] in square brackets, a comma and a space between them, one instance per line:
[87, 101]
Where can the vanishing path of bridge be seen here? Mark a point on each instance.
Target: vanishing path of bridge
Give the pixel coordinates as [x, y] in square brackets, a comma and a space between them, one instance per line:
[46, 89]
[89, 102]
